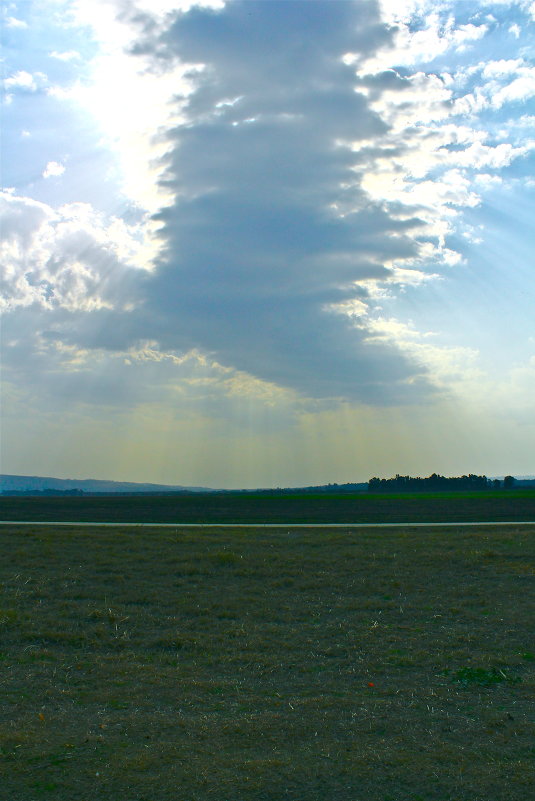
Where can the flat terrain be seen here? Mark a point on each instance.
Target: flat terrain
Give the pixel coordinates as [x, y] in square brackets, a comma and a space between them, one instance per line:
[267, 508]
[260, 665]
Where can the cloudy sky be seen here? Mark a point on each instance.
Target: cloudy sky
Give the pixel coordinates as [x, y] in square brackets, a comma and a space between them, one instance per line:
[268, 243]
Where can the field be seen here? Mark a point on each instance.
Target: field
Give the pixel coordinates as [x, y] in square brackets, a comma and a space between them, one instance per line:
[267, 664]
[272, 508]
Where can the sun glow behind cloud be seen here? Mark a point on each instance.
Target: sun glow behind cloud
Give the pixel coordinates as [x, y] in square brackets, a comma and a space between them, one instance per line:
[257, 288]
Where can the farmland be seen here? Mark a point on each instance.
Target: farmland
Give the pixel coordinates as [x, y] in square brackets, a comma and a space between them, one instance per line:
[256, 665]
[257, 508]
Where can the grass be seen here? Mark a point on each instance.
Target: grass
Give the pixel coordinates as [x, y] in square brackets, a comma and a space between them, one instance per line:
[260, 665]
[272, 508]
[484, 676]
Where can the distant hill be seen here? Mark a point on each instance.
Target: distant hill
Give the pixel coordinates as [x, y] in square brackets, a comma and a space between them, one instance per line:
[27, 484]
[47, 485]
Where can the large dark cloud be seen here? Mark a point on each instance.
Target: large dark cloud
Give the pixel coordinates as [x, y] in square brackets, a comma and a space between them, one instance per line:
[269, 227]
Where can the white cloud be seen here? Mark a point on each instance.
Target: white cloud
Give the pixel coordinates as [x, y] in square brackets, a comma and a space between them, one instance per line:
[424, 30]
[501, 82]
[53, 169]
[486, 179]
[468, 33]
[452, 368]
[402, 11]
[25, 81]
[65, 55]
[499, 68]
[479, 156]
[519, 90]
[423, 99]
[72, 258]
[13, 22]
[435, 146]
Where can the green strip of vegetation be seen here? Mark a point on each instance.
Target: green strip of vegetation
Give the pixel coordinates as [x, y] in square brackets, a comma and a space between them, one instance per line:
[266, 508]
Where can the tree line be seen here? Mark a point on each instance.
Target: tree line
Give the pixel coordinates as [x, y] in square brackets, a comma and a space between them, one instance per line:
[437, 482]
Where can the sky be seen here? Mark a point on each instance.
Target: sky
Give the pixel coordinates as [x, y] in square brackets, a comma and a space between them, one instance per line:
[275, 243]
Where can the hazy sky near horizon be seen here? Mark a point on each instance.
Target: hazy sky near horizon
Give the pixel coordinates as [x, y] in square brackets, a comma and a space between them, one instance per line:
[268, 243]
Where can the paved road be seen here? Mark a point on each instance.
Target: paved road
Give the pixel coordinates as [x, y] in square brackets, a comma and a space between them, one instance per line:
[265, 525]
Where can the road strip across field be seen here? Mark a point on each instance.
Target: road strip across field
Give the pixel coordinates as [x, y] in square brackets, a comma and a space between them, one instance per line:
[265, 525]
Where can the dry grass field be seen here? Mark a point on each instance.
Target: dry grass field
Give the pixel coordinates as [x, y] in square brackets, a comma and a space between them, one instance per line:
[262, 665]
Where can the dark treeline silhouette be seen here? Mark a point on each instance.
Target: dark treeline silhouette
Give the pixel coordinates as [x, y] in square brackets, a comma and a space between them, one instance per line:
[436, 483]
[319, 489]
